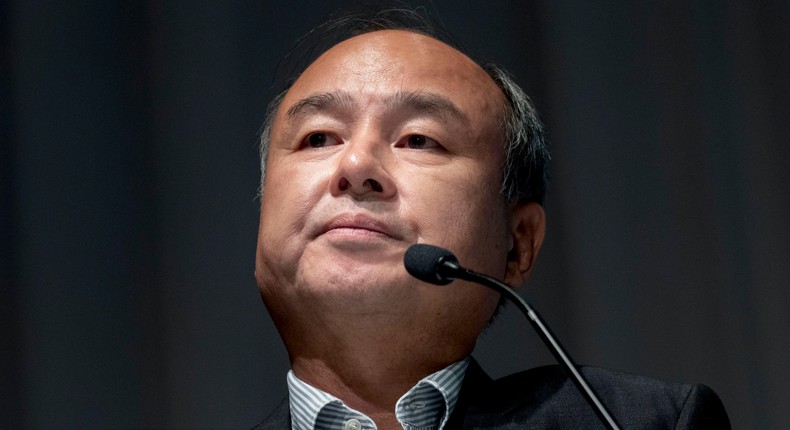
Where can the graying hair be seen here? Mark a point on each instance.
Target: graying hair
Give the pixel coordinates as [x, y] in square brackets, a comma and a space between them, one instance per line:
[266, 135]
[525, 173]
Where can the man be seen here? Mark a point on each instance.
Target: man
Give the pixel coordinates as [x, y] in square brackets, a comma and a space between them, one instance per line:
[393, 137]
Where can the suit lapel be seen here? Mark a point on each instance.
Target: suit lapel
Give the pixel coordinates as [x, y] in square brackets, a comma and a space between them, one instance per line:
[279, 419]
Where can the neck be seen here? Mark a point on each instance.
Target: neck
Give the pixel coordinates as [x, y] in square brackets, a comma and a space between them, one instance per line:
[370, 369]
[373, 352]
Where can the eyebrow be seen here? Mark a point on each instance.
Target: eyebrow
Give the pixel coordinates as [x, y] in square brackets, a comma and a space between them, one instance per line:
[333, 100]
[416, 102]
[425, 103]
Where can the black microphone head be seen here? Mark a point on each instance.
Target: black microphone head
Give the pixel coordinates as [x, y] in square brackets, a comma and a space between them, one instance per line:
[429, 263]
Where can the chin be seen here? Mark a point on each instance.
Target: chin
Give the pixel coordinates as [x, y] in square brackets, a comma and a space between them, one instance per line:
[353, 279]
[362, 288]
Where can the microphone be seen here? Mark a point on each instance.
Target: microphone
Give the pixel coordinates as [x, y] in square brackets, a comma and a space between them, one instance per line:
[440, 267]
[431, 264]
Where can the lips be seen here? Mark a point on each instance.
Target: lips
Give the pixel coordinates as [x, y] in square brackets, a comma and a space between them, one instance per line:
[357, 224]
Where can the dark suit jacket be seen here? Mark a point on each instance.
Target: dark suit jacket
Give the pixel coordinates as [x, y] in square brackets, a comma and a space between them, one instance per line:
[544, 398]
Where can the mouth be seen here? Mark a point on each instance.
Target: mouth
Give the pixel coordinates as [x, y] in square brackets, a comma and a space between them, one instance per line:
[357, 226]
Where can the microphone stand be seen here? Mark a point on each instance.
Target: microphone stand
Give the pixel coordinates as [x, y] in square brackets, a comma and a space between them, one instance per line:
[456, 271]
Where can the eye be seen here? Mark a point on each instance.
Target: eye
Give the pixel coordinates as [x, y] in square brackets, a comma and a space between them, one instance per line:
[319, 140]
[419, 141]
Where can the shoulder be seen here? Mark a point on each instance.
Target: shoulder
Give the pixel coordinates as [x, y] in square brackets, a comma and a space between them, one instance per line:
[545, 396]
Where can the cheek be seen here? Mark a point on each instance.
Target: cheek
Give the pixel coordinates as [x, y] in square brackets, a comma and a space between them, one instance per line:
[287, 198]
[465, 214]
[290, 190]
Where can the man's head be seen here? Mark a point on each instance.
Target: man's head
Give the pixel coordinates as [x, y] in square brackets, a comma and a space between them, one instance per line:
[526, 171]
[392, 138]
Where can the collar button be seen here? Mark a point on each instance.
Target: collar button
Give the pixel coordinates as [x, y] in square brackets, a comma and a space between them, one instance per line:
[353, 424]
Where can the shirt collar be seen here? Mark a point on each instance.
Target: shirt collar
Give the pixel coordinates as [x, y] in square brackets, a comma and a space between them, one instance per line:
[426, 406]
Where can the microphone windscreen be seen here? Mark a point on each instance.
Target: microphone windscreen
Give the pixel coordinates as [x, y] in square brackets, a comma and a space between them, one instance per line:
[423, 261]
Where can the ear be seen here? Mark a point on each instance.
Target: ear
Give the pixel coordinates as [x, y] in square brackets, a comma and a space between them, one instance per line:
[527, 229]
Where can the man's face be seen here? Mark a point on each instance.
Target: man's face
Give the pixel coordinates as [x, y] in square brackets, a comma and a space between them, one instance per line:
[388, 139]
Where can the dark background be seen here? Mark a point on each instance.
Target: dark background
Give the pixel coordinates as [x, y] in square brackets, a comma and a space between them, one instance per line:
[128, 214]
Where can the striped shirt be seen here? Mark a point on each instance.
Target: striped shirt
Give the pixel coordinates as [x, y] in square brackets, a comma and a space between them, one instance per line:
[427, 406]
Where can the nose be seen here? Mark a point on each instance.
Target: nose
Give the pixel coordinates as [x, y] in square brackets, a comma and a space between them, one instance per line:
[361, 171]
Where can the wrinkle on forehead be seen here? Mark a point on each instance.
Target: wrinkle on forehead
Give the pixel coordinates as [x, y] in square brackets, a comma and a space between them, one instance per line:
[419, 103]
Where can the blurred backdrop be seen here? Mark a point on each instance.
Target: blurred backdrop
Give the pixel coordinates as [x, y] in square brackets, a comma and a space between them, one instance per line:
[128, 213]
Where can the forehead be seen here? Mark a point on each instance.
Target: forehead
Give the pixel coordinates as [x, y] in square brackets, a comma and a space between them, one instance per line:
[375, 65]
